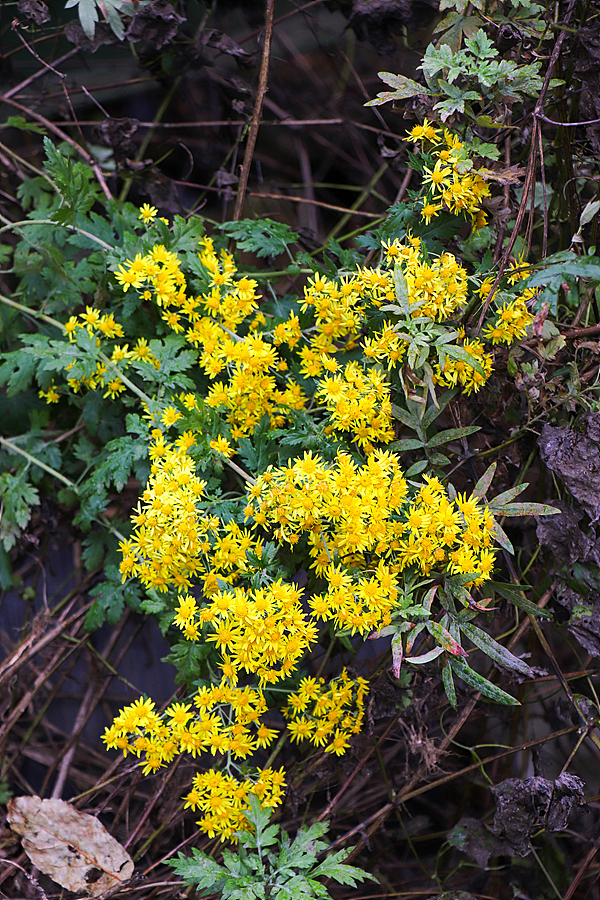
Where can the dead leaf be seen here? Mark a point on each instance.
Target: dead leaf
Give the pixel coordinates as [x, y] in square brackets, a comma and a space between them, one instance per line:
[574, 457]
[510, 175]
[73, 848]
[474, 839]
[528, 805]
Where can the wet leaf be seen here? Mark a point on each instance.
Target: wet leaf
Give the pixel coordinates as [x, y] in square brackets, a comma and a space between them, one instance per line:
[575, 457]
[516, 598]
[73, 848]
[473, 838]
[425, 657]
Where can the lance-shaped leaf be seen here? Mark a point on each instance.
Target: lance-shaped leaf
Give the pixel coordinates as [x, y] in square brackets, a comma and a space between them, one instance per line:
[507, 496]
[401, 291]
[502, 538]
[410, 641]
[477, 681]
[385, 632]
[397, 653]
[448, 680]
[455, 352]
[405, 417]
[525, 509]
[481, 488]
[425, 657]
[496, 652]
[405, 444]
[517, 599]
[452, 434]
[444, 639]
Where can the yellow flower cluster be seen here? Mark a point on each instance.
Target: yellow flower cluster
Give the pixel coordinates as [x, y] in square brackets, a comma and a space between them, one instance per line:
[327, 716]
[224, 799]
[352, 515]
[440, 533]
[512, 319]
[461, 372]
[436, 287]
[225, 722]
[385, 347]
[263, 631]
[359, 403]
[452, 184]
[170, 534]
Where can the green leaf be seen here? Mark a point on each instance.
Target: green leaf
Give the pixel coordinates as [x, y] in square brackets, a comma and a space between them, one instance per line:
[448, 681]
[397, 652]
[200, 870]
[417, 468]
[477, 681]
[404, 88]
[452, 434]
[444, 639]
[405, 444]
[23, 125]
[510, 494]
[433, 412]
[455, 352]
[502, 538]
[496, 652]
[261, 236]
[524, 509]
[514, 596]
[481, 488]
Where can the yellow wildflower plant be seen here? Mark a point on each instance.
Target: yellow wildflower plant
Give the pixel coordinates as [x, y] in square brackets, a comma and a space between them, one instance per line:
[452, 183]
[327, 715]
[223, 721]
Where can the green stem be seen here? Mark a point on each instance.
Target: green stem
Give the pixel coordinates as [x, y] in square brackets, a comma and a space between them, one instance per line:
[10, 226]
[107, 362]
[36, 462]
[32, 312]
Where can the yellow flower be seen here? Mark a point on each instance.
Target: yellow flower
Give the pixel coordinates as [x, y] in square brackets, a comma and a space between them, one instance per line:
[147, 213]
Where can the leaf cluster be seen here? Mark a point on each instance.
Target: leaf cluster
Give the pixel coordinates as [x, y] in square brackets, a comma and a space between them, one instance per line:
[268, 865]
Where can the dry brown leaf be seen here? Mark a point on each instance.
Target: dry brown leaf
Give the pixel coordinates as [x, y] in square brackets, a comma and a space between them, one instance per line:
[73, 848]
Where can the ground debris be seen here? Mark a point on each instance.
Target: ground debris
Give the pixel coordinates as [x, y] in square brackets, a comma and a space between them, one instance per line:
[73, 848]
[524, 806]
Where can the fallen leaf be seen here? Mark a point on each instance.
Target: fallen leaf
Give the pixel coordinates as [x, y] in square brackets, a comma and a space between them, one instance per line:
[526, 806]
[73, 848]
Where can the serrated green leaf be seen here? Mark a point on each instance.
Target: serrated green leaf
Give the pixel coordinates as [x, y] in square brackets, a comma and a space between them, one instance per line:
[23, 125]
[261, 236]
[477, 681]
